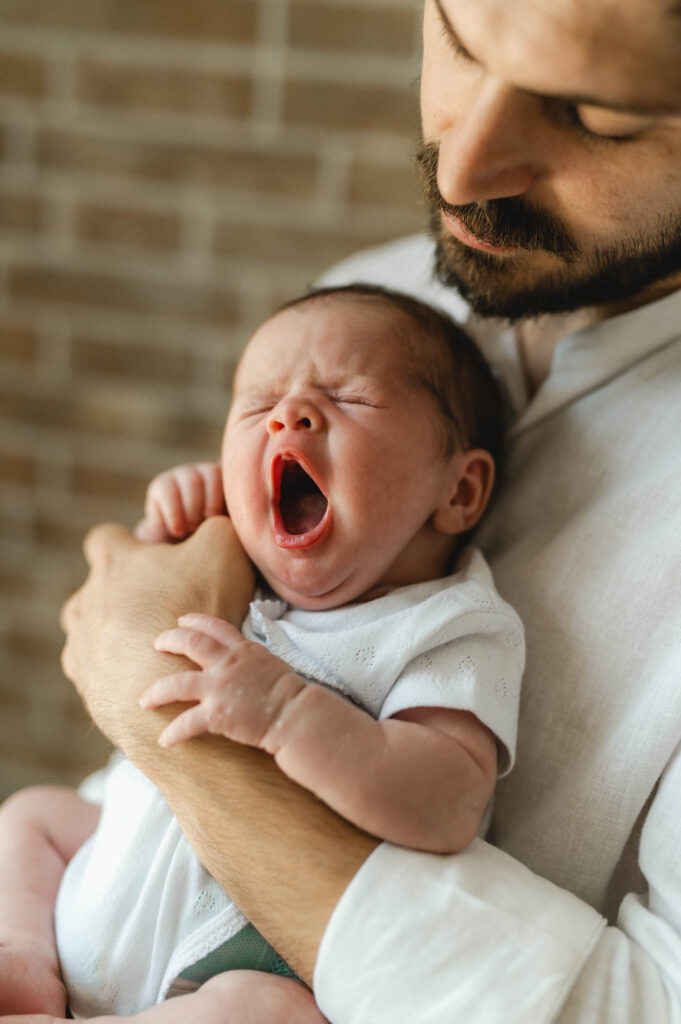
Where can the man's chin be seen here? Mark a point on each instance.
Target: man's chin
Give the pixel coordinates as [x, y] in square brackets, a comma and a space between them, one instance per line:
[514, 287]
[536, 283]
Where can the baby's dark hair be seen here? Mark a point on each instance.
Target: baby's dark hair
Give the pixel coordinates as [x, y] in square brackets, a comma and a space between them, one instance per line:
[458, 376]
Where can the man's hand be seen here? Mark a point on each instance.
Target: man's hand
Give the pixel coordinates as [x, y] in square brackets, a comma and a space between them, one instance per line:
[242, 689]
[133, 591]
[249, 824]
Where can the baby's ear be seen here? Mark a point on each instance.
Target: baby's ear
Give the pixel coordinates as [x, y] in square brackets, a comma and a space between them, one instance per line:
[471, 486]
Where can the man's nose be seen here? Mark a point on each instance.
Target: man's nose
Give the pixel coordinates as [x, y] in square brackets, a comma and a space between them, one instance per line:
[295, 414]
[491, 149]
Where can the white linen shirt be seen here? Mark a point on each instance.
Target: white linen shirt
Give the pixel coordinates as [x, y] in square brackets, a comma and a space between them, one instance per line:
[574, 914]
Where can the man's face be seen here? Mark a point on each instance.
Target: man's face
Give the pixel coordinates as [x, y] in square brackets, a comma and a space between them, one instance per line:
[552, 150]
[325, 438]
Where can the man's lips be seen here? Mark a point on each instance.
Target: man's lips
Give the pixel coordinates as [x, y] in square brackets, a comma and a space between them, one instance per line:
[456, 227]
[301, 512]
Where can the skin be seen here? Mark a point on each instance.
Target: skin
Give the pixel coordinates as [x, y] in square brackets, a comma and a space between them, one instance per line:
[328, 382]
[499, 95]
[40, 830]
[548, 49]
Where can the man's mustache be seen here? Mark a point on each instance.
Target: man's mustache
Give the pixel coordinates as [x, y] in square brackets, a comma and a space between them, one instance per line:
[507, 223]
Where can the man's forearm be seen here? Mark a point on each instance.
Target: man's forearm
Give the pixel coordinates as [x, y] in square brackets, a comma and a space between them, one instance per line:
[283, 856]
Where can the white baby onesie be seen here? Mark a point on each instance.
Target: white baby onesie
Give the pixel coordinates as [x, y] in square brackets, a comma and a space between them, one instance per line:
[136, 907]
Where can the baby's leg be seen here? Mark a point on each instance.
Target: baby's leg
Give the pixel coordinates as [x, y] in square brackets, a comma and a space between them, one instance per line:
[40, 830]
[245, 997]
[235, 997]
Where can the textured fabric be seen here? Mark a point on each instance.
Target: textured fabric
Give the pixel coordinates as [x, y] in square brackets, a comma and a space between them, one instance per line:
[136, 908]
[248, 950]
[585, 541]
[446, 643]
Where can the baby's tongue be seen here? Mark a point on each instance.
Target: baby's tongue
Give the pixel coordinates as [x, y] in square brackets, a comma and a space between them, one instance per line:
[301, 503]
[303, 514]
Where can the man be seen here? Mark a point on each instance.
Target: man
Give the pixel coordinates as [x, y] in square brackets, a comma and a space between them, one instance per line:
[553, 143]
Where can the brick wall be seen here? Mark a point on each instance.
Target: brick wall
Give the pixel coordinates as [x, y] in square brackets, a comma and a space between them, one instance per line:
[169, 171]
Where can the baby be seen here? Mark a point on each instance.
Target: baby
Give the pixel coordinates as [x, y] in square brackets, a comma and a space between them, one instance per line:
[358, 454]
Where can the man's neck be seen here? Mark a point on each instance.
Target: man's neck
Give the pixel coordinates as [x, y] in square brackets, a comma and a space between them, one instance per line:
[537, 339]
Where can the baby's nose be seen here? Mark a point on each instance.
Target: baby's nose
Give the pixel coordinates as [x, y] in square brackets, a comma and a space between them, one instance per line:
[295, 414]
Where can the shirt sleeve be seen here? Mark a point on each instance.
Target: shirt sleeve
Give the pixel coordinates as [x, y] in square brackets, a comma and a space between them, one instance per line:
[478, 937]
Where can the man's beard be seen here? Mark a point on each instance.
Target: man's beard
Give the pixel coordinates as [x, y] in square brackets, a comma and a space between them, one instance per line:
[499, 286]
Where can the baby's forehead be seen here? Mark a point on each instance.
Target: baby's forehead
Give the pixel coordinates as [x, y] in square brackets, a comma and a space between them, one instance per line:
[328, 341]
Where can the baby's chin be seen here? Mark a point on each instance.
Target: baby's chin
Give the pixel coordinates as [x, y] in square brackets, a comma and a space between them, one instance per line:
[320, 599]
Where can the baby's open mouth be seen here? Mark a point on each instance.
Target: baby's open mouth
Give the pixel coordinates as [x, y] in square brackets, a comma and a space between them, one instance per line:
[301, 512]
[302, 505]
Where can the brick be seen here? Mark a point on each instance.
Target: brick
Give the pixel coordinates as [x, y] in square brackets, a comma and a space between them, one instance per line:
[15, 698]
[212, 20]
[62, 758]
[21, 75]
[199, 435]
[130, 360]
[35, 409]
[108, 483]
[168, 89]
[351, 107]
[382, 185]
[18, 344]
[18, 469]
[35, 645]
[312, 247]
[63, 536]
[13, 522]
[354, 29]
[21, 212]
[15, 584]
[252, 170]
[66, 286]
[115, 225]
[110, 414]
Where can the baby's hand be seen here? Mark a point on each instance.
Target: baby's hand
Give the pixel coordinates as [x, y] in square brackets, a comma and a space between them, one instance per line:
[241, 688]
[179, 500]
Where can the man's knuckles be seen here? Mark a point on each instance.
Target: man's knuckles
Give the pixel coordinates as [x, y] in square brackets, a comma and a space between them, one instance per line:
[104, 541]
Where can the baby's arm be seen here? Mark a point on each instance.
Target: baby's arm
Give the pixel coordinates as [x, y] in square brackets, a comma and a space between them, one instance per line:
[421, 779]
[179, 500]
[40, 830]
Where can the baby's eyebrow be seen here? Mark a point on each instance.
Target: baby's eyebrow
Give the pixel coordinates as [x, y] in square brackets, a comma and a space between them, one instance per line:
[256, 392]
[330, 385]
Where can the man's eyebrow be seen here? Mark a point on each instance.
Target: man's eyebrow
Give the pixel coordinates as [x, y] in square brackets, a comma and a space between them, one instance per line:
[634, 107]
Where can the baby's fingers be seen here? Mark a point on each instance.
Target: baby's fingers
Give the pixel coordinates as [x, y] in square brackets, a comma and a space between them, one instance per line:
[214, 498]
[192, 643]
[223, 632]
[152, 530]
[188, 724]
[180, 686]
[165, 503]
